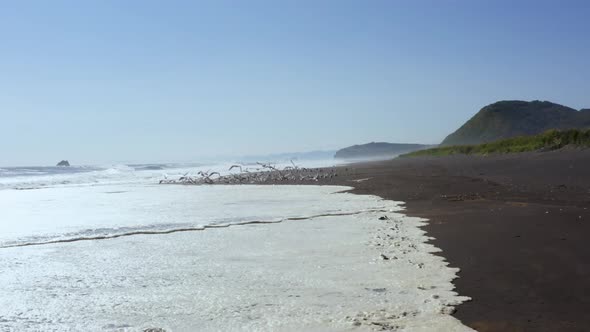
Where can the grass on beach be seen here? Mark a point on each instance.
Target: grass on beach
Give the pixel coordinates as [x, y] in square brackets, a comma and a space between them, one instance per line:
[547, 141]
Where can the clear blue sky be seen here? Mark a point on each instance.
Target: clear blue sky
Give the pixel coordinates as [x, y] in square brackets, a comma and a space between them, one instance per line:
[108, 81]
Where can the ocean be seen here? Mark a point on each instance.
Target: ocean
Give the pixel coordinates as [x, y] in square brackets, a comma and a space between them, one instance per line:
[109, 249]
[48, 204]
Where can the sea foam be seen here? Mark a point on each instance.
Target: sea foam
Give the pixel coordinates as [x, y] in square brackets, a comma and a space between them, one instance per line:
[323, 262]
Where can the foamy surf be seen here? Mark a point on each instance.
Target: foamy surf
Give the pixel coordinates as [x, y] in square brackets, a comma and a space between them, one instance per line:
[50, 177]
[69, 214]
[319, 265]
[47, 177]
[105, 234]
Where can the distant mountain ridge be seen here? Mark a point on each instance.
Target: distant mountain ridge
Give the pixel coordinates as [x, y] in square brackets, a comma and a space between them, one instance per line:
[377, 150]
[510, 118]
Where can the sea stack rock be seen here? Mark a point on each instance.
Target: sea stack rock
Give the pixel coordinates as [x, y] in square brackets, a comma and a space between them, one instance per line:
[64, 163]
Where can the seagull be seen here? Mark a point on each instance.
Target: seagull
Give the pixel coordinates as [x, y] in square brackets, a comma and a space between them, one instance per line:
[236, 166]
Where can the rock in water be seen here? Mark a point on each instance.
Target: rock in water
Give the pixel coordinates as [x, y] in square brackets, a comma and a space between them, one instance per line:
[63, 163]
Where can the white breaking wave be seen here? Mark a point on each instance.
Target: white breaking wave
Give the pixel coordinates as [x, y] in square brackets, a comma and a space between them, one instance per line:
[117, 174]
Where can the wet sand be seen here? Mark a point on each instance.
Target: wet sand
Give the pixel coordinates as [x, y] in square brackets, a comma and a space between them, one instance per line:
[516, 225]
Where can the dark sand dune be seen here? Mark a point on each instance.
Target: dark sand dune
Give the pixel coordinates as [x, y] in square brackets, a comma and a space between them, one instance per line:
[517, 225]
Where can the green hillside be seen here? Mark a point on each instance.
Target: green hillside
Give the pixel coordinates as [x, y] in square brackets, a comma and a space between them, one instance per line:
[547, 141]
[505, 119]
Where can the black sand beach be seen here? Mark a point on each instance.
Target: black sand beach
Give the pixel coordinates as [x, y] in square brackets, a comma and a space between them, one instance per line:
[517, 225]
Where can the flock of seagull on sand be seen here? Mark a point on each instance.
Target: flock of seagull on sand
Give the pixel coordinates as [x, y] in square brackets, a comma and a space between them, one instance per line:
[263, 173]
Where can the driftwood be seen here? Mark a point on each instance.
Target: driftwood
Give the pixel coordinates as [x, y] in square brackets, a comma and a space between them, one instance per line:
[265, 173]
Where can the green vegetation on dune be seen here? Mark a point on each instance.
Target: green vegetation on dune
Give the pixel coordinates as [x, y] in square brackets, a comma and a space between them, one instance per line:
[547, 141]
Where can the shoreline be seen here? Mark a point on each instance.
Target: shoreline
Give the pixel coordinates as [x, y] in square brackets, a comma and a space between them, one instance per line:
[366, 267]
[516, 225]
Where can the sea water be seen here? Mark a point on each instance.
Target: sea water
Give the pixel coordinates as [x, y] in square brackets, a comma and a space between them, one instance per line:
[46, 177]
[48, 204]
[123, 253]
